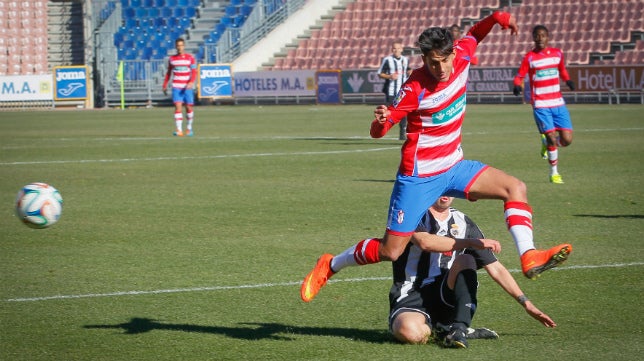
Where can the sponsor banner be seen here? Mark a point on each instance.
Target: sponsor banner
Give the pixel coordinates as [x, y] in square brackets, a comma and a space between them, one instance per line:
[328, 87]
[215, 81]
[70, 82]
[26, 87]
[361, 82]
[605, 78]
[275, 83]
[491, 80]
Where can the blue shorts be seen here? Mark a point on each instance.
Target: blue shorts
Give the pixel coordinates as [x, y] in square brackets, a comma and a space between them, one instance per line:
[183, 96]
[411, 196]
[552, 119]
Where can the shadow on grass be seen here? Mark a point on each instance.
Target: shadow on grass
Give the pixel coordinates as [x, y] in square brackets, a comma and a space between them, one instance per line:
[251, 331]
[632, 216]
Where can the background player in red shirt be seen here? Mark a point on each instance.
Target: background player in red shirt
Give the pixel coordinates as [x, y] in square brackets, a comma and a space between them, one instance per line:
[545, 66]
[183, 69]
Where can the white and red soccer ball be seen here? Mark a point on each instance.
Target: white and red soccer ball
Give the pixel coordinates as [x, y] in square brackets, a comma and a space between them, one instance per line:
[39, 205]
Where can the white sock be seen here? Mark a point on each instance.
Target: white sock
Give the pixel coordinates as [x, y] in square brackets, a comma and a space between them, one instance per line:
[190, 117]
[178, 121]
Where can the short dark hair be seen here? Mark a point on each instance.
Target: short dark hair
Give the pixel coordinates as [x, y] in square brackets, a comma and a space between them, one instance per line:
[539, 27]
[179, 40]
[436, 39]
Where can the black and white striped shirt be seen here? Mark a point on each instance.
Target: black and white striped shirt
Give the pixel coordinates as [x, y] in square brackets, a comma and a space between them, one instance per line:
[391, 65]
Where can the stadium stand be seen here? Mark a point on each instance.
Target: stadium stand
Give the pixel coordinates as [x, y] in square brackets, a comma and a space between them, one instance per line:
[23, 37]
[360, 34]
[65, 33]
[150, 27]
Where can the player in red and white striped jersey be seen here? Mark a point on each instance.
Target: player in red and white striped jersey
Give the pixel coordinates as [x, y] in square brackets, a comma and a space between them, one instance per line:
[183, 69]
[432, 164]
[544, 66]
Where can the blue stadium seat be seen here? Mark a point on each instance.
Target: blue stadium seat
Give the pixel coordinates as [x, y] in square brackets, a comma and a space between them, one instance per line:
[191, 12]
[185, 22]
[129, 13]
[236, 2]
[225, 20]
[146, 53]
[141, 13]
[246, 10]
[166, 12]
[131, 23]
[178, 12]
[135, 3]
[238, 21]
[118, 38]
[231, 11]
[130, 54]
[159, 3]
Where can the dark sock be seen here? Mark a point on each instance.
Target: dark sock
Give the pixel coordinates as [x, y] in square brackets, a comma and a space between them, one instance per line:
[465, 295]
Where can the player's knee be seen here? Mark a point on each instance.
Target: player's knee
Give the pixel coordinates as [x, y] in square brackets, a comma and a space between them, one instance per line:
[389, 252]
[518, 189]
[565, 141]
[412, 333]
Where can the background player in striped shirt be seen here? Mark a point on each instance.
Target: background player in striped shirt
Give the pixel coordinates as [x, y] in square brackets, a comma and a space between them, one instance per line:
[436, 291]
[432, 164]
[183, 69]
[394, 69]
[545, 65]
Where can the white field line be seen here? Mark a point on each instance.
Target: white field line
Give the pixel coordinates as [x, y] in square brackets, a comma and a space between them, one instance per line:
[267, 285]
[251, 155]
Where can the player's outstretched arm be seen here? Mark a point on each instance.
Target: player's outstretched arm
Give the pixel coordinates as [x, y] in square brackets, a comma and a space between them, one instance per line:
[433, 243]
[502, 276]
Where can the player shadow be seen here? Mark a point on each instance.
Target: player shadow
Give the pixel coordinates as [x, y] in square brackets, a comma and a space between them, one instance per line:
[631, 216]
[250, 330]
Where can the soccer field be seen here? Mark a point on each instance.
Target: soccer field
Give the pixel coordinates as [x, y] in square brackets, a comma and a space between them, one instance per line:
[194, 248]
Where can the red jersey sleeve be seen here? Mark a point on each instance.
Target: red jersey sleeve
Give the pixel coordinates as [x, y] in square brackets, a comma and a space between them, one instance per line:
[483, 27]
[193, 73]
[167, 75]
[563, 73]
[523, 70]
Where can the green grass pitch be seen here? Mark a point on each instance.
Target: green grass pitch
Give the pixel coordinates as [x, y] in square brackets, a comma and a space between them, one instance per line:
[193, 248]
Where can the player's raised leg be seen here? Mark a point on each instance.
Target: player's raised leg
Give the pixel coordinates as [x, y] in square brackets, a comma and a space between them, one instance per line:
[496, 184]
[367, 251]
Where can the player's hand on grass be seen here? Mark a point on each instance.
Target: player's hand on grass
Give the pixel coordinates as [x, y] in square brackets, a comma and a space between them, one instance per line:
[535, 313]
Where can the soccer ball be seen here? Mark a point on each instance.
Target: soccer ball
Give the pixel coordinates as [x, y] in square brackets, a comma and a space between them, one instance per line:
[39, 205]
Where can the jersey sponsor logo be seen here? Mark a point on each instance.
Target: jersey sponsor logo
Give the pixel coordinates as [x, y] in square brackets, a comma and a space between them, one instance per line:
[400, 96]
[452, 111]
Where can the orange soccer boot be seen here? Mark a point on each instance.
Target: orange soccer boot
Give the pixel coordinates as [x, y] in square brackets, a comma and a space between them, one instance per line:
[316, 278]
[534, 262]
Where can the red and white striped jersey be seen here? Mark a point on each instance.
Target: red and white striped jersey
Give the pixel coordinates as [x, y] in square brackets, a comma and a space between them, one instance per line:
[544, 69]
[183, 69]
[435, 112]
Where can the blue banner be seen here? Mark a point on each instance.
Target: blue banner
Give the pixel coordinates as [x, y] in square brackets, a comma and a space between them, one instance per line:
[329, 87]
[215, 81]
[70, 83]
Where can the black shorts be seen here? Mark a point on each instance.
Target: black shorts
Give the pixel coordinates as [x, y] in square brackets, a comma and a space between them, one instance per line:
[435, 301]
